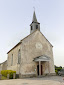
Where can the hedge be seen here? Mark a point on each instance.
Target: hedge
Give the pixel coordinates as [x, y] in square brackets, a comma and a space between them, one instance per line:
[10, 72]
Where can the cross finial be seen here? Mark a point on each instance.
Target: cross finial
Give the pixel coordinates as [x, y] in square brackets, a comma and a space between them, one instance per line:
[34, 8]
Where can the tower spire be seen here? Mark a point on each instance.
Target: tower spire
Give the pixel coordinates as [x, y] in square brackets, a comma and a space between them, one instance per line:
[34, 17]
[35, 25]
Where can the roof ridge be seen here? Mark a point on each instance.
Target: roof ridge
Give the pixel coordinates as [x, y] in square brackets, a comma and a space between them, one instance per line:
[21, 41]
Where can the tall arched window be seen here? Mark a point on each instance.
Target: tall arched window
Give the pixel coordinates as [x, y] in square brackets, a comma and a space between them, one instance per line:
[19, 56]
[31, 28]
[36, 26]
[12, 60]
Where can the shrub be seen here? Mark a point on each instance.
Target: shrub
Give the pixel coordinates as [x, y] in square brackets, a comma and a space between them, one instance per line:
[56, 72]
[3, 78]
[58, 68]
[10, 72]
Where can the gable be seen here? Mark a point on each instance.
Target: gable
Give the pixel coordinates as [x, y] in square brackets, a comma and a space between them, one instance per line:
[35, 33]
[47, 40]
[29, 37]
[35, 45]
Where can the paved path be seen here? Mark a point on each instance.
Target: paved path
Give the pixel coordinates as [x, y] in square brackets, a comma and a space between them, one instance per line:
[51, 80]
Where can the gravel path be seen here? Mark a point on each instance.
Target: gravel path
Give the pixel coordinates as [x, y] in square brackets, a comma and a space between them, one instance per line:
[51, 80]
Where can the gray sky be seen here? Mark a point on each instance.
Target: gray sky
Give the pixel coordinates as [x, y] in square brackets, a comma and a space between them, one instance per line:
[16, 16]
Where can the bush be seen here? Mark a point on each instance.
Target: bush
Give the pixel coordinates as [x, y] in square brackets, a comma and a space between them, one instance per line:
[10, 72]
[3, 78]
[56, 72]
[57, 69]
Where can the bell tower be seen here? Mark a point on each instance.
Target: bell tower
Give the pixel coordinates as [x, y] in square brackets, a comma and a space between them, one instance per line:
[35, 25]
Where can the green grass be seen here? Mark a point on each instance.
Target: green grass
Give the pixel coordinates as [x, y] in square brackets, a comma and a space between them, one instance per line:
[3, 78]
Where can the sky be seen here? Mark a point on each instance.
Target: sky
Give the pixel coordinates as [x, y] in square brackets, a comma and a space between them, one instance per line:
[16, 17]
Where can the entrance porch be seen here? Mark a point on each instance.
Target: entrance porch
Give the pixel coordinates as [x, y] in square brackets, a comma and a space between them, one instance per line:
[41, 59]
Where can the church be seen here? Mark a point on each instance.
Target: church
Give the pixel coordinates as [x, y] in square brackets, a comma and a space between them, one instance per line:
[33, 55]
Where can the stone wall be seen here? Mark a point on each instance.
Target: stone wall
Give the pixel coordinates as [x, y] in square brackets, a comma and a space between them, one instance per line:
[15, 65]
[3, 66]
[0, 67]
[32, 47]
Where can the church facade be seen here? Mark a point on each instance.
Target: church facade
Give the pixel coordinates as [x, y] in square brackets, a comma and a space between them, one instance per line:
[33, 55]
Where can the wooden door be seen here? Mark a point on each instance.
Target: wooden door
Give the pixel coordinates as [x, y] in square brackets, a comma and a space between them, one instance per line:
[38, 69]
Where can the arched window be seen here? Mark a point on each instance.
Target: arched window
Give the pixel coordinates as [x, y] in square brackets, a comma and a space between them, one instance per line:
[19, 56]
[31, 28]
[36, 26]
[12, 60]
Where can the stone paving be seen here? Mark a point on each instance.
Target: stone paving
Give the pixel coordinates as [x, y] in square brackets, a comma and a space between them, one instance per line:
[51, 80]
